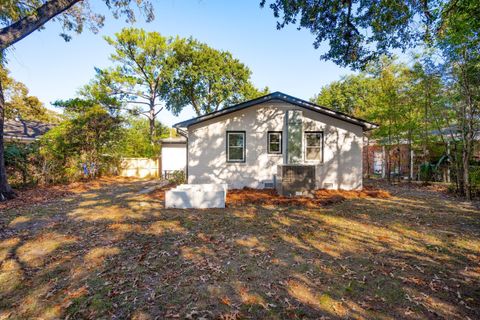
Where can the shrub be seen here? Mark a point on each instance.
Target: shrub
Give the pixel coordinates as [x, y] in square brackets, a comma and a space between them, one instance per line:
[177, 177]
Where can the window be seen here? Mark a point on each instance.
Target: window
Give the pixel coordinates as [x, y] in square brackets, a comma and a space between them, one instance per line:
[274, 142]
[235, 146]
[313, 146]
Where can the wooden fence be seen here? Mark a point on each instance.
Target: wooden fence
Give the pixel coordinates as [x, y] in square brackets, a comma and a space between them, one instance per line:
[140, 167]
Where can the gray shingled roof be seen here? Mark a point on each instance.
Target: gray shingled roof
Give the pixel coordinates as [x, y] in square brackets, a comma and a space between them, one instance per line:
[25, 130]
[282, 97]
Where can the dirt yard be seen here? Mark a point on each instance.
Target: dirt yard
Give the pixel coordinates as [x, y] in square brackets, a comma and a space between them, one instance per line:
[106, 251]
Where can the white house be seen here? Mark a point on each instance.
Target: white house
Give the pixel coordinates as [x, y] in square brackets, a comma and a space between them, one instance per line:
[248, 144]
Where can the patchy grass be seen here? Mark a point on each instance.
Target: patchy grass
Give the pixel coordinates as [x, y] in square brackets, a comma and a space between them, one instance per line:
[109, 252]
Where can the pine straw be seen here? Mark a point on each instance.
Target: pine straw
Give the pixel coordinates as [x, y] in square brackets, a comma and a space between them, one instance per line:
[239, 197]
[320, 197]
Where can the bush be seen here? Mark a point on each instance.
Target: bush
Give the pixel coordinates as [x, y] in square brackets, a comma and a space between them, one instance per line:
[427, 172]
[22, 162]
[177, 177]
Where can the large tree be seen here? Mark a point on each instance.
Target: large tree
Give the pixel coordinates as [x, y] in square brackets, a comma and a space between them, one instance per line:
[460, 45]
[139, 76]
[359, 31]
[18, 19]
[206, 78]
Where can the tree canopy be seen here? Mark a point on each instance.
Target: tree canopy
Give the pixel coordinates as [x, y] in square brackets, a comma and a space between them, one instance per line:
[359, 31]
[138, 77]
[206, 78]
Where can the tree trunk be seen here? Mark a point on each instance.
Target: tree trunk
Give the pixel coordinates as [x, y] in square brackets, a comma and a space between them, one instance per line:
[6, 192]
[410, 157]
[23, 27]
[388, 164]
[458, 170]
[151, 120]
[466, 170]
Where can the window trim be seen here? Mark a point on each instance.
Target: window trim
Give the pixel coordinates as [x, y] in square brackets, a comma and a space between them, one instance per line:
[268, 142]
[244, 147]
[305, 146]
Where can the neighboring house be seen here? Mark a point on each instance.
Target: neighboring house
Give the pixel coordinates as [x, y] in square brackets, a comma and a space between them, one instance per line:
[405, 161]
[248, 144]
[174, 155]
[24, 131]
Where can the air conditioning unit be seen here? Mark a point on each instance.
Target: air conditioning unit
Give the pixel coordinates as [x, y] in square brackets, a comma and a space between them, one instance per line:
[293, 179]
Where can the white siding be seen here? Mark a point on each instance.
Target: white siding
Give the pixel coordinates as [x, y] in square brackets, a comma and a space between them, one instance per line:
[342, 166]
[174, 157]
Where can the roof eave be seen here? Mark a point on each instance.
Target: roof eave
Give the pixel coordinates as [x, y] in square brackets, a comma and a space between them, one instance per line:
[366, 125]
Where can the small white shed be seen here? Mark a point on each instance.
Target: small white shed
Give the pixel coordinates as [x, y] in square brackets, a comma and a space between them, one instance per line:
[174, 154]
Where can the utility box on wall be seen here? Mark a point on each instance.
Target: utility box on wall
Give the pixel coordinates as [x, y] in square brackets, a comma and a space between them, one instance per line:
[294, 179]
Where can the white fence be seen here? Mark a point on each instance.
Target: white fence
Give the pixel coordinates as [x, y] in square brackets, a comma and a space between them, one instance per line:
[140, 167]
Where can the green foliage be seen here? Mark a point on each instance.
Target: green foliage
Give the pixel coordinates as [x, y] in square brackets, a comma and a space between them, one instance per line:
[361, 31]
[350, 94]
[92, 136]
[357, 31]
[138, 78]
[177, 177]
[427, 172]
[136, 142]
[22, 162]
[206, 78]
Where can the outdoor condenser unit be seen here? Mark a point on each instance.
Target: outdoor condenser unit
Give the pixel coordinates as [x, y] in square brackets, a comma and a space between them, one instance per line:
[293, 179]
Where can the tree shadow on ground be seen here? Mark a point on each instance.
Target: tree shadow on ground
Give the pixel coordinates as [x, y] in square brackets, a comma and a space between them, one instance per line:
[114, 253]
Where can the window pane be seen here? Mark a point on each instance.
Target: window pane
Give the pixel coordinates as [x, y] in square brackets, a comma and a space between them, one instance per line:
[274, 147]
[313, 139]
[313, 153]
[274, 137]
[235, 153]
[236, 146]
[235, 139]
[274, 142]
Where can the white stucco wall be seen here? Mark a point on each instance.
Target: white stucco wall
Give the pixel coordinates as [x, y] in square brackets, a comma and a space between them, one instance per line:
[341, 168]
[174, 157]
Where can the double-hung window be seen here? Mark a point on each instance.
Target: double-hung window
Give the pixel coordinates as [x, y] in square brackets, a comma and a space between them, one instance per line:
[274, 142]
[236, 146]
[314, 146]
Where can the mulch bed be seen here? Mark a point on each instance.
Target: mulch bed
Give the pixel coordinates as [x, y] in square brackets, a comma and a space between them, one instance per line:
[239, 197]
[320, 197]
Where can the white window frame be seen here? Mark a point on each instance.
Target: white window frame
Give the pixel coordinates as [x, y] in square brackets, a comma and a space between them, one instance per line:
[280, 142]
[243, 146]
[305, 134]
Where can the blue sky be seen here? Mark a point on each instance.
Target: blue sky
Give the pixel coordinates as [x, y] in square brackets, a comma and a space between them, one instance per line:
[284, 60]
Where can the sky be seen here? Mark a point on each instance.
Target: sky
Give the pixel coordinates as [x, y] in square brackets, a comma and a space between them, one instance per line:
[284, 60]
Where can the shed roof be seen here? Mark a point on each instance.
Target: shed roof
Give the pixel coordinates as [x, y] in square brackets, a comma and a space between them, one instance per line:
[174, 140]
[366, 125]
